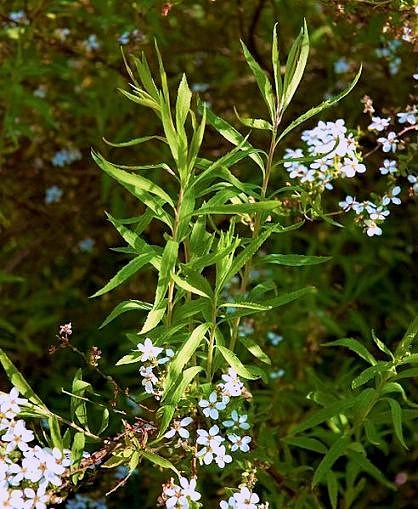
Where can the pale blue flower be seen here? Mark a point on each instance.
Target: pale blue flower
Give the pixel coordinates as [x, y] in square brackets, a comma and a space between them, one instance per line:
[53, 194]
[124, 38]
[341, 66]
[86, 245]
[91, 43]
[274, 338]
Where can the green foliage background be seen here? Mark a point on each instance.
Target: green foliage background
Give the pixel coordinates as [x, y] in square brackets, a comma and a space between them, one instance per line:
[45, 279]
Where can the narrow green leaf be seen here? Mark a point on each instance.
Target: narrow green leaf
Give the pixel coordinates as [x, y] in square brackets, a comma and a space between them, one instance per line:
[294, 260]
[254, 123]
[263, 81]
[55, 431]
[131, 268]
[406, 341]
[311, 444]
[369, 373]
[188, 287]
[275, 60]
[160, 461]
[77, 448]
[165, 413]
[232, 135]
[131, 358]
[255, 349]
[123, 307]
[236, 364]
[184, 97]
[317, 109]
[356, 347]
[18, 381]
[324, 414]
[183, 356]
[285, 298]
[295, 65]
[239, 208]
[137, 181]
[332, 486]
[396, 412]
[337, 449]
[178, 390]
[135, 141]
[381, 346]
[362, 461]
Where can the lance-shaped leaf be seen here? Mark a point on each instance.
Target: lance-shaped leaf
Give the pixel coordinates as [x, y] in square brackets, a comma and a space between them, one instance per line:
[236, 364]
[321, 107]
[137, 181]
[135, 241]
[275, 60]
[168, 263]
[356, 347]
[405, 343]
[263, 81]
[184, 97]
[18, 381]
[183, 357]
[232, 135]
[337, 449]
[123, 307]
[396, 412]
[160, 461]
[238, 208]
[135, 141]
[125, 272]
[254, 123]
[294, 260]
[295, 65]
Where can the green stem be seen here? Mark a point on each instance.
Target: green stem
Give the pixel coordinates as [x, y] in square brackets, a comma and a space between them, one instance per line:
[170, 303]
[257, 227]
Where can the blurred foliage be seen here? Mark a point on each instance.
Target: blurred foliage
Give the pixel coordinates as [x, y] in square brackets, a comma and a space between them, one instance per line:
[61, 61]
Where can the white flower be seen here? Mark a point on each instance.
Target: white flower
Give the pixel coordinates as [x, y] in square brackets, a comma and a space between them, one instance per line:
[175, 497]
[36, 500]
[293, 154]
[245, 499]
[149, 351]
[18, 436]
[188, 489]
[209, 438]
[237, 421]
[379, 214]
[379, 124]
[221, 457]
[392, 197]
[372, 228]
[389, 143]
[169, 353]
[147, 373]
[211, 406]
[10, 403]
[348, 204]
[413, 179]
[240, 443]
[322, 164]
[180, 428]
[409, 117]
[352, 166]
[233, 386]
[389, 166]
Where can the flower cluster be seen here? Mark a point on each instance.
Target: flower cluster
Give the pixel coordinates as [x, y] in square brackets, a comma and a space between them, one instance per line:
[244, 499]
[29, 474]
[330, 153]
[65, 156]
[214, 444]
[388, 52]
[370, 214]
[150, 357]
[175, 496]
